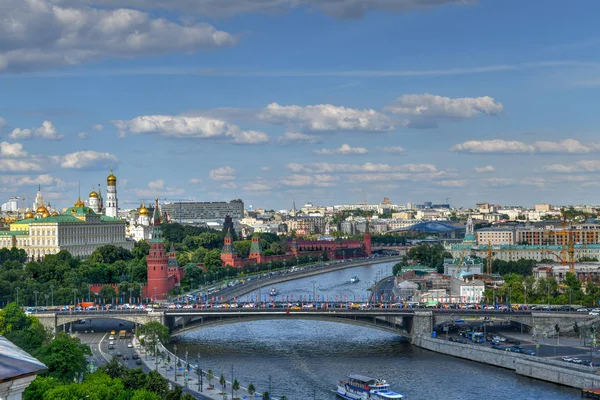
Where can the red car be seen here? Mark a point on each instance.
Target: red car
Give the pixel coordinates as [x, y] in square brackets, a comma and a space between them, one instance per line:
[125, 357]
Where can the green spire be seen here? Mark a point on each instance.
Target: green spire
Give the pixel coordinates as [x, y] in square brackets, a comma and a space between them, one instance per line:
[255, 247]
[228, 247]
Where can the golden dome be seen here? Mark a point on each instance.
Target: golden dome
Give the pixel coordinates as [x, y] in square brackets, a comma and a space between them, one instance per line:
[93, 194]
[46, 214]
[143, 210]
[41, 209]
[29, 214]
[79, 203]
[54, 213]
[111, 179]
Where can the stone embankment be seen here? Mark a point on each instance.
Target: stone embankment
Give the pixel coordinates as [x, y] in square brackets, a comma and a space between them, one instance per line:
[559, 372]
[256, 283]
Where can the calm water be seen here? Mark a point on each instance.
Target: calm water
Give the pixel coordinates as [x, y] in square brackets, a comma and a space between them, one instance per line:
[306, 358]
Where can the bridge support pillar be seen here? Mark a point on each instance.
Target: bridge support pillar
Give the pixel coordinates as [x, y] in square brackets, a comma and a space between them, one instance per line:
[422, 324]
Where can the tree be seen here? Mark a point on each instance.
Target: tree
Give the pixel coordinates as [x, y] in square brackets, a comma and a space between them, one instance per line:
[114, 369]
[157, 329]
[27, 332]
[235, 386]
[251, 389]
[157, 384]
[266, 396]
[222, 381]
[108, 293]
[64, 357]
[210, 376]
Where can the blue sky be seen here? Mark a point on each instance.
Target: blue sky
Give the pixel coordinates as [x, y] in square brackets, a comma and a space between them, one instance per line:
[328, 101]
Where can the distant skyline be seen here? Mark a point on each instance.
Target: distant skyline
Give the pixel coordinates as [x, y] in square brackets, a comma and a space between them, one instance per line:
[328, 101]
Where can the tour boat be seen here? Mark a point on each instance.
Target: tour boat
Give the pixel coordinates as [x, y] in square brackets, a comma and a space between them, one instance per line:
[354, 279]
[359, 387]
[273, 292]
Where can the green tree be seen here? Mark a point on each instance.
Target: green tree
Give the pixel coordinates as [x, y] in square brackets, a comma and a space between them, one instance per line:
[235, 386]
[64, 357]
[266, 396]
[155, 383]
[108, 293]
[27, 332]
[222, 381]
[251, 388]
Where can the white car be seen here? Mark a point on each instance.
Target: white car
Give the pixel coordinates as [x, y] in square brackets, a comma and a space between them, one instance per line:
[594, 312]
[111, 343]
[111, 337]
[129, 345]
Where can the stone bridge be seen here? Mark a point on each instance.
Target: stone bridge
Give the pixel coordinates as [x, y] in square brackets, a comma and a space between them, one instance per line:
[402, 321]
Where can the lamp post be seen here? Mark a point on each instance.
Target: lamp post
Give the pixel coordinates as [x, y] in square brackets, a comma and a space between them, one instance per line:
[18, 295]
[35, 292]
[89, 292]
[52, 295]
[46, 296]
[548, 287]
[74, 301]
[130, 295]
[314, 283]
[199, 371]
[175, 361]
[232, 381]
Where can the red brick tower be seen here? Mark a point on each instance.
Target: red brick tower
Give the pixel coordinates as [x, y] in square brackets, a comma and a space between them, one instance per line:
[367, 240]
[158, 262]
[256, 249]
[228, 253]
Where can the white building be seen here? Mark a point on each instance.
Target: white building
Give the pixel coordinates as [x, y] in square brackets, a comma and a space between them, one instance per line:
[466, 291]
[112, 203]
[11, 206]
[140, 226]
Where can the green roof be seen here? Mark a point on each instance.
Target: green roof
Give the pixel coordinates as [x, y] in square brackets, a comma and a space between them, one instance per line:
[104, 218]
[79, 211]
[14, 233]
[50, 220]
[255, 246]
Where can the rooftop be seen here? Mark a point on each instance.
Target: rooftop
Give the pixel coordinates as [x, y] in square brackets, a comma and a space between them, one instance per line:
[16, 363]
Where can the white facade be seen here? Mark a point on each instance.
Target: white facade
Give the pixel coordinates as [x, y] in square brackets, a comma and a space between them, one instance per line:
[112, 204]
[11, 206]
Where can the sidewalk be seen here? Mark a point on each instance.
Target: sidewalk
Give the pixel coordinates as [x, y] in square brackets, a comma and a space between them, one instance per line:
[167, 371]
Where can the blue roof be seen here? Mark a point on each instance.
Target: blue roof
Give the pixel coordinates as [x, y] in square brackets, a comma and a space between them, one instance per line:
[433, 227]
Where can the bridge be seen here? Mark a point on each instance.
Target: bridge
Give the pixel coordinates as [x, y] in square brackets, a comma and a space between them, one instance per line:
[402, 321]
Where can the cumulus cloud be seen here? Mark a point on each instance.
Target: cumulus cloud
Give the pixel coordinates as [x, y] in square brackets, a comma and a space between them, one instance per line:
[40, 34]
[12, 150]
[8, 165]
[427, 110]
[46, 131]
[392, 149]
[14, 180]
[250, 137]
[343, 9]
[85, 159]
[326, 118]
[98, 127]
[265, 168]
[228, 185]
[320, 180]
[580, 166]
[452, 183]
[483, 170]
[182, 127]
[567, 146]
[344, 150]
[366, 167]
[82, 135]
[257, 186]
[493, 146]
[195, 181]
[222, 174]
[157, 184]
[388, 186]
[298, 137]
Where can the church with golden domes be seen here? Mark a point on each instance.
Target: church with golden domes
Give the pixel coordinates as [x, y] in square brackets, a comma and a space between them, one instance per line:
[140, 224]
[79, 229]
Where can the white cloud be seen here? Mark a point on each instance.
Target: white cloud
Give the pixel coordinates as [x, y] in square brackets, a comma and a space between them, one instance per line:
[46, 131]
[398, 176]
[265, 168]
[38, 34]
[388, 186]
[494, 182]
[366, 167]
[250, 137]
[85, 159]
[228, 185]
[13, 180]
[580, 166]
[566, 146]
[257, 186]
[83, 135]
[195, 181]
[157, 184]
[321, 180]
[493, 146]
[484, 169]
[98, 127]
[452, 183]
[345, 149]
[427, 110]
[298, 137]
[222, 174]
[344, 9]
[392, 149]
[182, 127]
[13, 150]
[327, 118]
[7, 165]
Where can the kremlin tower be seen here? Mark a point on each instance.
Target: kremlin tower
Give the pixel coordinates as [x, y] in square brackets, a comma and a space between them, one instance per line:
[158, 261]
[112, 204]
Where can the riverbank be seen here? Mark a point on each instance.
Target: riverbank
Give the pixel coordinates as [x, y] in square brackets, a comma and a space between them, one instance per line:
[571, 375]
[270, 280]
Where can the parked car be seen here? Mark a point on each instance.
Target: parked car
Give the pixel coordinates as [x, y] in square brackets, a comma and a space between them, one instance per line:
[138, 362]
[135, 356]
[567, 358]
[576, 360]
[582, 309]
[125, 357]
[529, 352]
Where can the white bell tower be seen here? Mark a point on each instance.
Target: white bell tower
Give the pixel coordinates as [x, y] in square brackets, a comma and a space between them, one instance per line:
[112, 204]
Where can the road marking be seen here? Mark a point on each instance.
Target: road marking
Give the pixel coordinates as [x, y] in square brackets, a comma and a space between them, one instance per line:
[100, 347]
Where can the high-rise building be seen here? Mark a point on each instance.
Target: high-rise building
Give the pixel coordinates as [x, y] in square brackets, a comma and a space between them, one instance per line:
[194, 212]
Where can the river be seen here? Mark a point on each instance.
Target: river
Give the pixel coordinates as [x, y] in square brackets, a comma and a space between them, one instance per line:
[304, 359]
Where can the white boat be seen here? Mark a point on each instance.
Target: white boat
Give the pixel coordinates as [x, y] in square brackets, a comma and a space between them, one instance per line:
[273, 292]
[360, 387]
[354, 279]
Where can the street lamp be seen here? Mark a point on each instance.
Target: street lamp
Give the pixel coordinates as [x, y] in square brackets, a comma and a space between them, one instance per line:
[52, 294]
[548, 287]
[175, 361]
[35, 292]
[18, 295]
[199, 372]
[74, 293]
[46, 296]
[314, 283]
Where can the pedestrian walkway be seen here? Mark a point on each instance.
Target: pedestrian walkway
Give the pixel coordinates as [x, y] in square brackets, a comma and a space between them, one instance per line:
[193, 383]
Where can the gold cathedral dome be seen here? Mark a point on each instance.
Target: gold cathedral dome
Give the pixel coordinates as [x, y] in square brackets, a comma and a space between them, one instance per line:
[41, 209]
[111, 180]
[79, 203]
[93, 194]
[143, 210]
[29, 214]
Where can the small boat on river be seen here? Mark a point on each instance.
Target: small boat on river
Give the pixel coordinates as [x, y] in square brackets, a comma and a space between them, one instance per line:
[354, 279]
[273, 292]
[360, 387]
